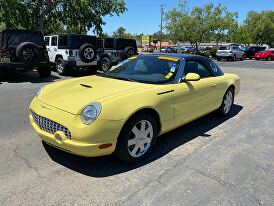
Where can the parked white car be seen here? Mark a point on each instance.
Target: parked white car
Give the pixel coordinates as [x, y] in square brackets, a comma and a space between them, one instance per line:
[230, 52]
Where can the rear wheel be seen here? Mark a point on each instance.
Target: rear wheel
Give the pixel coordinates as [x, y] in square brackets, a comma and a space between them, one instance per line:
[243, 58]
[227, 103]
[137, 138]
[218, 59]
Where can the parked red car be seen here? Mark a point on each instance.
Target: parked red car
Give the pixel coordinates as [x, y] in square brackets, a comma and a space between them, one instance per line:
[267, 55]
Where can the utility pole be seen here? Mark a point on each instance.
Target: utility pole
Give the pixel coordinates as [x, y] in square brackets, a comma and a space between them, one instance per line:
[161, 29]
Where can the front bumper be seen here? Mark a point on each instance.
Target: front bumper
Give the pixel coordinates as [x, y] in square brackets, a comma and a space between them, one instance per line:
[223, 56]
[85, 140]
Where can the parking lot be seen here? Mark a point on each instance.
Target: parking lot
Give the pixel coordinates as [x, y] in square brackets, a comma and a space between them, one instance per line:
[212, 161]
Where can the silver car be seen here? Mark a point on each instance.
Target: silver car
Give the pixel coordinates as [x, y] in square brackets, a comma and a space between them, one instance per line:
[230, 53]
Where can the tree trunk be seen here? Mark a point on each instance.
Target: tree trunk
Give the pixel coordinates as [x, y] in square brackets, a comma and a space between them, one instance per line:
[44, 11]
[196, 46]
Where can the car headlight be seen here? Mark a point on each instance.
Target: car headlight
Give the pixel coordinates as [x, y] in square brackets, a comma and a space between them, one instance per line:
[90, 113]
[39, 91]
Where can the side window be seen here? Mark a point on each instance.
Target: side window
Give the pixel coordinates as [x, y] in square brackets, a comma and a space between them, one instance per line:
[47, 41]
[54, 41]
[193, 66]
[235, 48]
[109, 43]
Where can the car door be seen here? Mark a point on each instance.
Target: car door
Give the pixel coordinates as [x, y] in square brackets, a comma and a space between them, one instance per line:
[52, 48]
[195, 98]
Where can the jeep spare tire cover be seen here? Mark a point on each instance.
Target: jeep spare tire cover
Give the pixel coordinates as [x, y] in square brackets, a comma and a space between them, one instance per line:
[27, 52]
[87, 53]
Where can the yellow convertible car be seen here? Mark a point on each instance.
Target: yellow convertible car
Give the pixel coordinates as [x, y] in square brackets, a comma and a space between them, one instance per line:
[123, 110]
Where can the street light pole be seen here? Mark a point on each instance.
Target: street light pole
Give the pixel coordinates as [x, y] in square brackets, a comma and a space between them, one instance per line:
[161, 29]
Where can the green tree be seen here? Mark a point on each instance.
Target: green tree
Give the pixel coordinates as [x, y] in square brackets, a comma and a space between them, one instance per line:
[260, 26]
[201, 24]
[75, 16]
[121, 32]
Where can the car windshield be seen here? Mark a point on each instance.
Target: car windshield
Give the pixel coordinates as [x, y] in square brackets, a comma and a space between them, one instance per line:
[224, 48]
[18, 37]
[146, 69]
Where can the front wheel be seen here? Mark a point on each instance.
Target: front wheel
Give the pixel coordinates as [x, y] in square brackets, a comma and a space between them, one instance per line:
[137, 138]
[227, 103]
[268, 58]
[61, 67]
[105, 64]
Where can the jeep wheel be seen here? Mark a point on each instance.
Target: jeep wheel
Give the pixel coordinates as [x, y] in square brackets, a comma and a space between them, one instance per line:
[60, 67]
[44, 72]
[128, 52]
[87, 53]
[105, 64]
[27, 53]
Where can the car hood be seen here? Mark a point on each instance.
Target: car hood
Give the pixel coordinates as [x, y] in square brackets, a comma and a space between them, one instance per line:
[74, 94]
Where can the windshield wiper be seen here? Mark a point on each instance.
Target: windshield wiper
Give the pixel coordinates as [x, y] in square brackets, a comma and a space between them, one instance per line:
[116, 77]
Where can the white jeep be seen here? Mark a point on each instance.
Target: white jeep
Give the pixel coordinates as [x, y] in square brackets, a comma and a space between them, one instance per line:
[70, 51]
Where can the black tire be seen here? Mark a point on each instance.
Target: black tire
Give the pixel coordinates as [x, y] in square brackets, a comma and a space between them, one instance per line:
[128, 52]
[268, 58]
[28, 53]
[233, 58]
[87, 53]
[61, 67]
[222, 108]
[243, 58]
[105, 64]
[44, 72]
[122, 148]
[218, 59]
[257, 59]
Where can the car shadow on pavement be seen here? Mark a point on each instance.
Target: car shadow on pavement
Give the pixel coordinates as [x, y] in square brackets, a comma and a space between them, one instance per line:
[110, 165]
[21, 76]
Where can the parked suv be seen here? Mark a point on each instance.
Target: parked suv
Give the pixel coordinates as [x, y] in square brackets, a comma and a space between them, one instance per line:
[70, 51]
[24, 49]
[252, 50]
[114, 50]
[231, 52]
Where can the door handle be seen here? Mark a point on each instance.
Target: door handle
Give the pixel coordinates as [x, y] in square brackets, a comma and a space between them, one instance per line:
[214, 85]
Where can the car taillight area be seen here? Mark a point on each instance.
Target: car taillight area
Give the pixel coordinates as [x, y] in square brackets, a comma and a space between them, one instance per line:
[5, 53]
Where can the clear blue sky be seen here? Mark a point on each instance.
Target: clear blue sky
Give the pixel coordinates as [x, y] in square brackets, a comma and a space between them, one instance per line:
[143, 16]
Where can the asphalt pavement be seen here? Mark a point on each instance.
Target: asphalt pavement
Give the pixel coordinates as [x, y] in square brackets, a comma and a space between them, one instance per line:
[211, 161]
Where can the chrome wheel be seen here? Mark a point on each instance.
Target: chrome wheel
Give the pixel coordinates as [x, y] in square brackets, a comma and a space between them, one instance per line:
[89, 53]
[141, 138]
[228, 101]
[60, 67]
[105, 63]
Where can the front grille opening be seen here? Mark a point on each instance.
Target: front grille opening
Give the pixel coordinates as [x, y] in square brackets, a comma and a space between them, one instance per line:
[49, 126]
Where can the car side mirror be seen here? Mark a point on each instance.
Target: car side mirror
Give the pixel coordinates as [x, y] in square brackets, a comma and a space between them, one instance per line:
[192, 77]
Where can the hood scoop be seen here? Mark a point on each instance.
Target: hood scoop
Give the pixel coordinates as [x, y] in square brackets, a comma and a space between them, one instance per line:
[86, 86]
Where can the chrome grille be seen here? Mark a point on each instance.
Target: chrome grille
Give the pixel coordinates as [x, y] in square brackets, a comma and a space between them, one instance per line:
[48, 125]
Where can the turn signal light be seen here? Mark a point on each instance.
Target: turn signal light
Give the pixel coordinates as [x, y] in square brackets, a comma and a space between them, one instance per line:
[104, 146]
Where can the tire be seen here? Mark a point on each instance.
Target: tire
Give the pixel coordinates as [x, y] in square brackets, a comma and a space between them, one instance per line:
[140, 144]
[243, 58]
[268, 58]
[44, 72]
[218, 59]
[257, 58]
[27, 53]
[61, 67]
[233, 58]
[105, 64]
[87, 53]
[227, 103]
[128, 52]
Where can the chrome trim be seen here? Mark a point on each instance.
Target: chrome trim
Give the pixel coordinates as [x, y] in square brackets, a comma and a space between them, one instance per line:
[48, 125]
